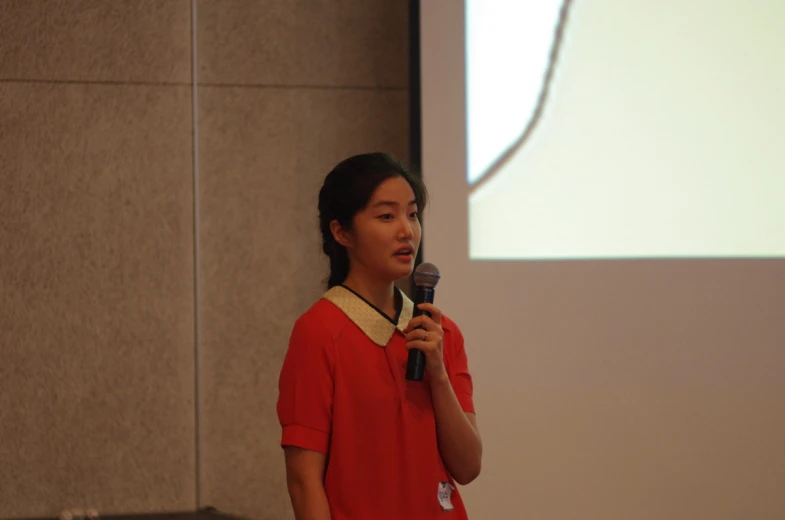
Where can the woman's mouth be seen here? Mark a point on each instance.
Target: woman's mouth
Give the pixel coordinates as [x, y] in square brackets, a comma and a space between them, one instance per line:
[404, 254]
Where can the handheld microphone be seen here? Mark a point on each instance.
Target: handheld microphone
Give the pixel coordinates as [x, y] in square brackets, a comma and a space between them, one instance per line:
[426, 276]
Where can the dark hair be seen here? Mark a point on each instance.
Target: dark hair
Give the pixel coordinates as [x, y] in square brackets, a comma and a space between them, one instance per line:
[347, 189]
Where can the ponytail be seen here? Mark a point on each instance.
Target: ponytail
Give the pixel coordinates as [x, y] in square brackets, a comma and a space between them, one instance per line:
[339, 261]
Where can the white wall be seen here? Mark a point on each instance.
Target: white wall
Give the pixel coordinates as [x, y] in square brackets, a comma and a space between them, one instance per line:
[631, 388]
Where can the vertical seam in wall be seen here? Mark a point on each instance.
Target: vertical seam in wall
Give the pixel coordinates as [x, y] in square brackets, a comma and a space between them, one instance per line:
[197, 335]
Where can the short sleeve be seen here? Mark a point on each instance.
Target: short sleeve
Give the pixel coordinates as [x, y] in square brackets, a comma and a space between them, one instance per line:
[305, 388]
[458, 371]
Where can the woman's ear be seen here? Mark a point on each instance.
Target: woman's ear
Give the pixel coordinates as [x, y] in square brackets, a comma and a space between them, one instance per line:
[340, 234]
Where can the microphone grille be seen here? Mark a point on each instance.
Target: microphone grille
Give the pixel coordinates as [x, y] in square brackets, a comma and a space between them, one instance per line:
[426, 275]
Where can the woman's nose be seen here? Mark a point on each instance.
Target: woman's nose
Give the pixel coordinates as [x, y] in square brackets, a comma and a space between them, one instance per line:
[406, 229]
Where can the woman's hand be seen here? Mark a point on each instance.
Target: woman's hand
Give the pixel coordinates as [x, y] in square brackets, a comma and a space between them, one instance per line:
[428, 338]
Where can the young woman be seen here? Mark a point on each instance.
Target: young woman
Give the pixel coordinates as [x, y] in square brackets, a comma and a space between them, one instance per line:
[360, 441]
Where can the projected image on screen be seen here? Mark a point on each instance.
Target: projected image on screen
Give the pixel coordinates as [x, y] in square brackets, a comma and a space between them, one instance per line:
[604, 129]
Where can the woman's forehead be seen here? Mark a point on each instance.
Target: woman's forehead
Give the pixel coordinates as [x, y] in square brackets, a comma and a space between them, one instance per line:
[395, 189]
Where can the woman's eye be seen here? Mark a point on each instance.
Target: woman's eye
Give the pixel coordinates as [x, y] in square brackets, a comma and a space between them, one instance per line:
[386, 216]
[414, 214]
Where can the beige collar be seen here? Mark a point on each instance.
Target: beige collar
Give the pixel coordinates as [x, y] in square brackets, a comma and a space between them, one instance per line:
[370, 320]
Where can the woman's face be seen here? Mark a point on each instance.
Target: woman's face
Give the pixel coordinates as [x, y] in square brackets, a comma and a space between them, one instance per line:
[386, 233]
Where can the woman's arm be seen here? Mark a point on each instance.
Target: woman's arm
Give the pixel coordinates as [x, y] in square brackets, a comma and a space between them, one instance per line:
[305, 389]
[305, 481]
[459, 439]
[460, 445]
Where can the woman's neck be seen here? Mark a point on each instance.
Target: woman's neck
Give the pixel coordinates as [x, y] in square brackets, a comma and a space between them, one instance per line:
[380, 294]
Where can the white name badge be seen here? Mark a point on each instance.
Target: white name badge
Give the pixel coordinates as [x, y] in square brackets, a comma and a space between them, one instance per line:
[444, 494]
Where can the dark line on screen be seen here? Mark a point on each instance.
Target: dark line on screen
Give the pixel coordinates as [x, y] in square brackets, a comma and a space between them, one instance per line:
[541, 100]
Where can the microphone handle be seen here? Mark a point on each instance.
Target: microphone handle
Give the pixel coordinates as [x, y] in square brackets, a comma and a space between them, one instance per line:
[415, 367]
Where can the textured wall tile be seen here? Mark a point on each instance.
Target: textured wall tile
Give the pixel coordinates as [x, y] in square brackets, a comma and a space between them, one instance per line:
[96, 305]
[263, 154]
[303, 42]
[96, 40]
